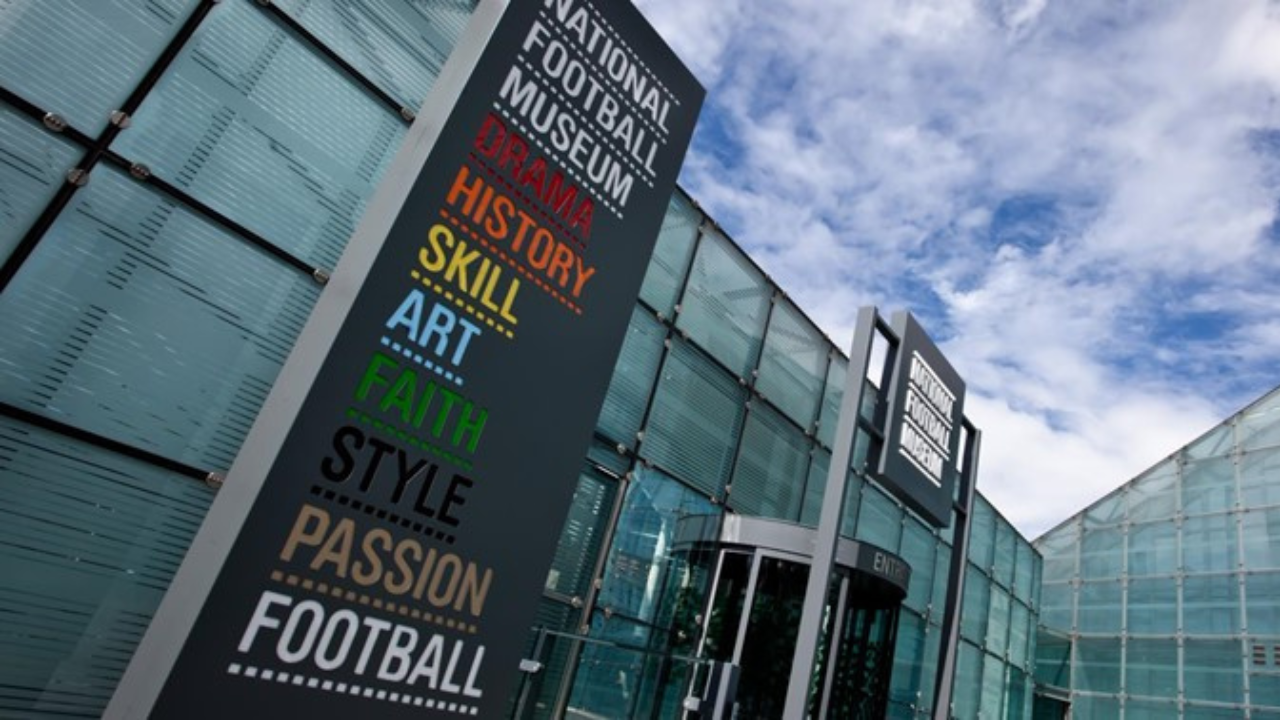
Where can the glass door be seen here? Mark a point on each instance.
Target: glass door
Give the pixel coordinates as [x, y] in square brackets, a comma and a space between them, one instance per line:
[752, 621]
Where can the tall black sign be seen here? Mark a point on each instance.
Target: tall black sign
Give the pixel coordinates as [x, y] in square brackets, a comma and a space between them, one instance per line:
[393, 559]
[922, 431]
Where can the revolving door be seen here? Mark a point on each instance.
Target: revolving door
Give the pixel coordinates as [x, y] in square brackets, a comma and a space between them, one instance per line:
[759, 570]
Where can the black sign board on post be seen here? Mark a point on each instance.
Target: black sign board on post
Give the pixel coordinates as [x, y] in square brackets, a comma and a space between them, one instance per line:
[919, 461]
[387, 529]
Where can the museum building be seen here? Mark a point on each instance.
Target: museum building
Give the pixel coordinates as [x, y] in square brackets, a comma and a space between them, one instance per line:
[178, 179]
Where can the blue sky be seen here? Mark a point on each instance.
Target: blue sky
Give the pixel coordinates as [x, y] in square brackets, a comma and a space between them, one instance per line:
[1080, 200]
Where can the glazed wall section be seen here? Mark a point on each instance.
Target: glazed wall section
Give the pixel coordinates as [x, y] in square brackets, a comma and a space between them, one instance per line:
[1166, 593]
[147, 308]
[724, 400]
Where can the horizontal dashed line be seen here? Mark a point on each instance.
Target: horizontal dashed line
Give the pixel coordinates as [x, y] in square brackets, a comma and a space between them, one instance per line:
[283, 677]
[537, 281]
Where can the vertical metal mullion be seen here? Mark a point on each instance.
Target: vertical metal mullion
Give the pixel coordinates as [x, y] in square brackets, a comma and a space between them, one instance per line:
[79, 174]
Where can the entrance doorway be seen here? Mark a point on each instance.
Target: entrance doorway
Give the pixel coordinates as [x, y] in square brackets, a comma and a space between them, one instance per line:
[752, 616]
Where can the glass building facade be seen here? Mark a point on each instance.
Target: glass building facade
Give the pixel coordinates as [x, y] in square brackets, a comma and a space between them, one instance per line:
[1163, 598]
[177, 180]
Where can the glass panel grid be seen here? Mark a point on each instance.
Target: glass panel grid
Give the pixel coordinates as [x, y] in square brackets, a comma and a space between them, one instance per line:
[33, 166]
[251, 122]
[666, 273]
[633, 378]
[793, 364]
[89, 541]
[695, 421]
[726, 303]
[169, 331]
[769, 478]
[82, 60]
[400, 47]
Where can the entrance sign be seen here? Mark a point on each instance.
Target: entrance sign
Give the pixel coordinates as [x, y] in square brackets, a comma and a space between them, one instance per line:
[920, 459]
[381, 543]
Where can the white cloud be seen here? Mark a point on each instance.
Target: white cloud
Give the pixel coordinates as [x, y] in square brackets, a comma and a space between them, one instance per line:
[1067, 194]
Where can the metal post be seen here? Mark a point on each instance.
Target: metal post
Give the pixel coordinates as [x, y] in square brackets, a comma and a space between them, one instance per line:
[810, 633]
[945, 677]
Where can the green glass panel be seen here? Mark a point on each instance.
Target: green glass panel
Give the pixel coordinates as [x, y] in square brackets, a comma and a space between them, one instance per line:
[1209, 543]
[1006, 551]
[1260, 478]
[654, 505]
[1263, 593]
[909, 661]
[168, 331]
[1018, 696]
[1096, 667]
[1053, 659]
[793, 364]
[815, 487]
[633, 378]
[253, 122]
[695, 421]
[605, 671]
[1100, 609]
[1264, 689]
[966, 693]
[1021, 630]
[1109, 510]
[583, 533]
[1154, 495]
[1024, 578]
[665, 276]
[725, 304]
[89, 541]
[769, 478]
[1102, 553]
[1152, 606]
[982, 530]
[82, 60]
[879, 519]
[1208, 485]
[942, 576]
[1215, 443]
[1212, 669]
[1060, 549]
[1259, 425]
[973, 614]
[1210, 604]
[1153, 548]
[993, 688]
[918, 546]
[33, 166]
[832, 395]
[998, 622]
[401, 47]
[1056, 605]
